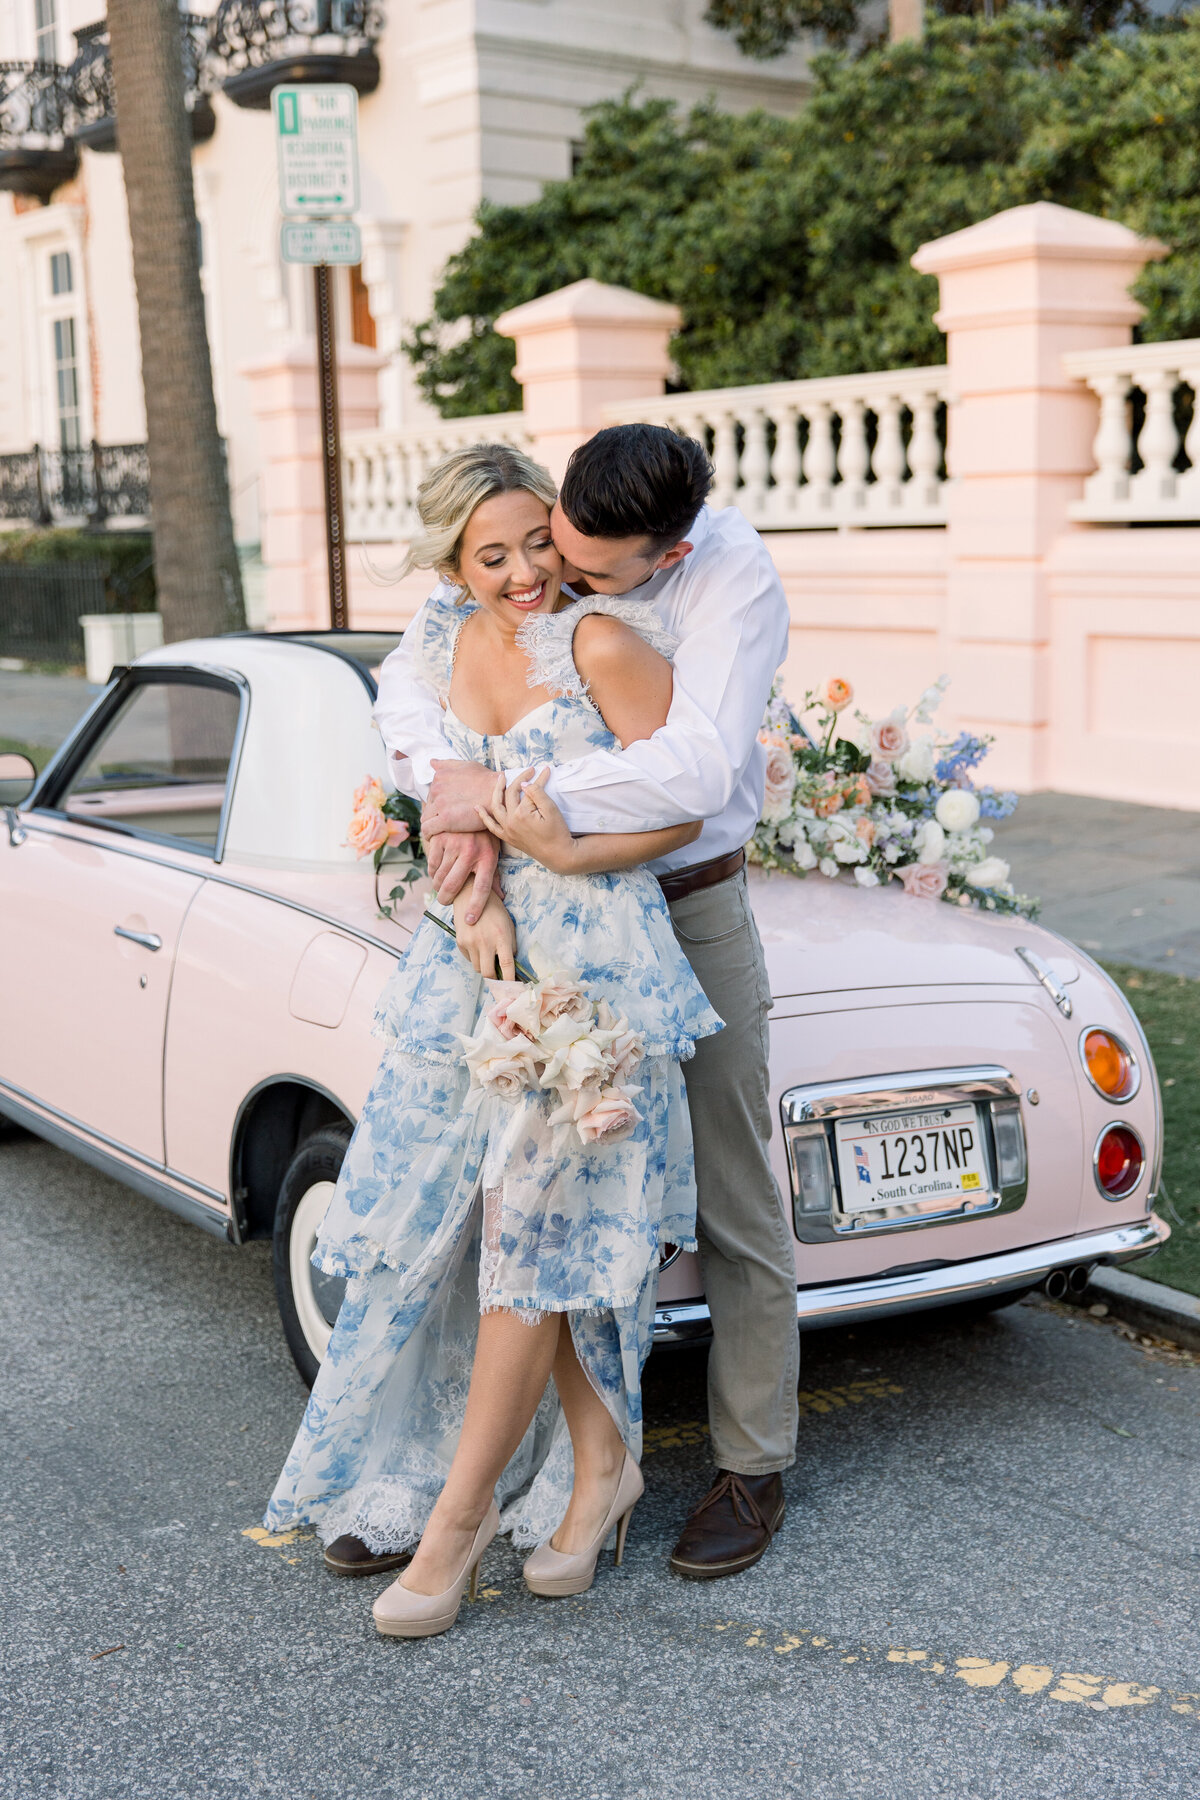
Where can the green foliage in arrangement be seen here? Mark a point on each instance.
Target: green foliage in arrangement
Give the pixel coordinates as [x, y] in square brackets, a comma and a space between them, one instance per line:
[786, 242]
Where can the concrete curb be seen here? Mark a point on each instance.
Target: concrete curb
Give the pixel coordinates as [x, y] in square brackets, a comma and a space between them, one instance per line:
[1158, 1310]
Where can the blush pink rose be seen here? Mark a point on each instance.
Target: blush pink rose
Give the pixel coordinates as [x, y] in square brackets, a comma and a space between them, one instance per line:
[561, 997]
[613, 1116]
[779, 783]
[925, 881]
[369, 793]
[881, 778]
[509, 995]
[889, 738]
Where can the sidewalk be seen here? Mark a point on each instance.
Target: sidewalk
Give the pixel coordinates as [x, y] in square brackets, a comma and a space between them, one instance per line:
[1121, 881]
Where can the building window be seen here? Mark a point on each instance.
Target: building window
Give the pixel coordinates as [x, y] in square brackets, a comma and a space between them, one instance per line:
[62, 280]
[45, 31]
[66, 385]
[362, 325]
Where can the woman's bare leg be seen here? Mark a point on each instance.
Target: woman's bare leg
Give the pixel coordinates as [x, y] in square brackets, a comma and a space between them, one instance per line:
[597, 1444]
[512, 1366]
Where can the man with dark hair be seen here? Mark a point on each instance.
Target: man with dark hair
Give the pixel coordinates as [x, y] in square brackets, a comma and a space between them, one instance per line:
[631, 519]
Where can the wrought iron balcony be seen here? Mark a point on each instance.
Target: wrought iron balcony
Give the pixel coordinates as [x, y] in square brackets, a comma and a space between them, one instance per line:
[36, 151]
[102, 483]
[89, 82]
[260, 43]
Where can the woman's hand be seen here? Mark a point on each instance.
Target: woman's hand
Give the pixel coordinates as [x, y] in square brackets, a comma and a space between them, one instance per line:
[524, 816]
[490, 943]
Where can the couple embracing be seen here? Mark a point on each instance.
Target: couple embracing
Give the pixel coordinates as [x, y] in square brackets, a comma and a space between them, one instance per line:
[578, 705]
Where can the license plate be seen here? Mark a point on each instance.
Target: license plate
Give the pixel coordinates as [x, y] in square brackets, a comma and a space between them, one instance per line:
[901, 1158]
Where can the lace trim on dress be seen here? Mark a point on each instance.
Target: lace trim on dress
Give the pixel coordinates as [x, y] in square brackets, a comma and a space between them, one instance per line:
[548, 640]
[443, 624]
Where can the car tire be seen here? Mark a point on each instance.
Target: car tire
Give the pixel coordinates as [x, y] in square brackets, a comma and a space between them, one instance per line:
[967, 1310]
[308, 1301]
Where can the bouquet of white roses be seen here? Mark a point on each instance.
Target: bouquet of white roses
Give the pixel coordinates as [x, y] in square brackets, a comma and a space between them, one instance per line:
[547, 1034]
[877, 798]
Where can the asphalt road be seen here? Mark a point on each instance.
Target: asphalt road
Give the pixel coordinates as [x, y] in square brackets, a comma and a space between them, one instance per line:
[986, 1584]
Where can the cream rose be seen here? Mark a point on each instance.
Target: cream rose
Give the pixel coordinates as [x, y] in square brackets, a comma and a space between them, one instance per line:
[925, 881]
[578, 1064]
[779, 784]
[992, 872]
[918, 761]
[561, 997]
[624, 1047]
[930, 842]
[613, 1116]
[509, 1075]
[957, 809]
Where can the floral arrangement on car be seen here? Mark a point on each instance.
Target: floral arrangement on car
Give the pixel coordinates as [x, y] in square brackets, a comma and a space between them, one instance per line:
[874, 797]
[548, 1034]
[381, 822]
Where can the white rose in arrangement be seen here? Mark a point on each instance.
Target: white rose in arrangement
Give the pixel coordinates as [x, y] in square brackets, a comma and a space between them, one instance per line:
[930, 842]
[828, 867]
[578, 1062]
[957, 810]
[804, 854]
[918, 761]
[866, 878]
[992, 872]
[779, 785]
[845, 843]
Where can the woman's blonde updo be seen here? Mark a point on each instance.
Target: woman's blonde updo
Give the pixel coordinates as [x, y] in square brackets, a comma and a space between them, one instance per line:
[454, 488]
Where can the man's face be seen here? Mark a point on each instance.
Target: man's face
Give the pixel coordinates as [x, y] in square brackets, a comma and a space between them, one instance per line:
[595, 565]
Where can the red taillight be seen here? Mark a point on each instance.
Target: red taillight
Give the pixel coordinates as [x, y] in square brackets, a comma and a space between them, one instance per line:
[1120, 1160]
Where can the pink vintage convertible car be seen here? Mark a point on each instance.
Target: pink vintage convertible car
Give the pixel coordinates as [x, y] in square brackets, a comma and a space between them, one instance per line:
[190, 960]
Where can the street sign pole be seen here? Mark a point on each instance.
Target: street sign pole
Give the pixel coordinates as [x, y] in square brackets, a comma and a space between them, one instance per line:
[316, 137]
[331, 447]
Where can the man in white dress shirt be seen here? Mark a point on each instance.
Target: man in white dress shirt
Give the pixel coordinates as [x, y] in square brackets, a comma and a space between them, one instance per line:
[631, 520]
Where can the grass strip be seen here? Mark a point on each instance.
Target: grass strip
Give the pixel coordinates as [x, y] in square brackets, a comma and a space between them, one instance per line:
[1169, 1009]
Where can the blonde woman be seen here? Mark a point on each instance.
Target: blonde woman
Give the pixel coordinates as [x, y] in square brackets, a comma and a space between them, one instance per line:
[485, 1250]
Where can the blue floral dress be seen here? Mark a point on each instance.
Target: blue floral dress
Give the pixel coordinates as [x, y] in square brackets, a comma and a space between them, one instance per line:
[452, 1202]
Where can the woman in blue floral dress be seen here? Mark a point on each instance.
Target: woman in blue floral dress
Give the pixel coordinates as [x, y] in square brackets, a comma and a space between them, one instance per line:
[486, 1244]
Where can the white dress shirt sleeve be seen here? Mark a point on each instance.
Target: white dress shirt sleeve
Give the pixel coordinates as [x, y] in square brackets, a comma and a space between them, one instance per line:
[732, 625]
[409, 714]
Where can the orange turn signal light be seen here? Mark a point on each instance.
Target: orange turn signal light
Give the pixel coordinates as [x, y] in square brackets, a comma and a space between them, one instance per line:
[1110, 1067]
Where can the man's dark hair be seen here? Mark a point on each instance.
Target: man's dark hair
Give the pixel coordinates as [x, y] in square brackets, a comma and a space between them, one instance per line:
[636, 480]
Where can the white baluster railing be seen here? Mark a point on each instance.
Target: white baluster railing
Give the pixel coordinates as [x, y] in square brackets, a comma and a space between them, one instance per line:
[1167, 484]
[801, 455]
[382, 470]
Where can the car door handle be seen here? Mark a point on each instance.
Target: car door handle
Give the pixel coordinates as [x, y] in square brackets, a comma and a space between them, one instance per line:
[146, 939]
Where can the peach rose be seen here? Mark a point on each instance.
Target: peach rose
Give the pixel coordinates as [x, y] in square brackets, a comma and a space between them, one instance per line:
[836, 694]
[881, 778]
[613, 1116]
[925, 881]
[865, 829]
[889, 737]
[828, 804]
[368, 831]
[370, 793]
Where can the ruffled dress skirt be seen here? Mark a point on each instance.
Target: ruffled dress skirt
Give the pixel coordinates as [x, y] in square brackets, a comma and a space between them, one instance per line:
[453, 1202]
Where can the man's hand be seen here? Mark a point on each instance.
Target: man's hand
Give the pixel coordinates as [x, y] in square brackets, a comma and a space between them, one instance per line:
[459, 789]
[456, 857]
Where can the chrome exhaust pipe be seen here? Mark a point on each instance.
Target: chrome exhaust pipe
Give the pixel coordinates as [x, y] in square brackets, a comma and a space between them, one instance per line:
[1078, 1280]
[1055, 1285]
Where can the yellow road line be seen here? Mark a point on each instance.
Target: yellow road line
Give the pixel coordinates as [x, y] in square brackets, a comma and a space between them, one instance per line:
[1099, 1693]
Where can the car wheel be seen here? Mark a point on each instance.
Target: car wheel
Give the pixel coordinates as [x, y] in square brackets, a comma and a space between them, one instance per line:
[309, 1302]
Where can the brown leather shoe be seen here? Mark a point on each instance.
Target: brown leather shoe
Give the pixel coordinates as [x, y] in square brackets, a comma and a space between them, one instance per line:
[350, 1556]
[731, 1527]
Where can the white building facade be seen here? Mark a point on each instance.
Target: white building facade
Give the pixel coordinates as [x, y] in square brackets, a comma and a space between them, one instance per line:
[461, 100]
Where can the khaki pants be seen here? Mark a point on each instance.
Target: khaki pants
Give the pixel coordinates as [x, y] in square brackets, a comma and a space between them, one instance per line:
[746, 1251]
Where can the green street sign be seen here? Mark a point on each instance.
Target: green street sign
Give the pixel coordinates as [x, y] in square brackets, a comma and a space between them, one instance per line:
[316, 138]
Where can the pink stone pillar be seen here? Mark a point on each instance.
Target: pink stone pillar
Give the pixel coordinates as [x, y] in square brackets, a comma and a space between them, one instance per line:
[1017, 291]
[283, 398]
[582, 348]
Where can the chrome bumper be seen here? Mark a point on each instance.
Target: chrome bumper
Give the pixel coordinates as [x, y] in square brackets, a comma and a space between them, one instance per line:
[880, 1296]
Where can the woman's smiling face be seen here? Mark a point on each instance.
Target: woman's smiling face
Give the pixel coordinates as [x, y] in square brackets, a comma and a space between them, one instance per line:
[508, 560]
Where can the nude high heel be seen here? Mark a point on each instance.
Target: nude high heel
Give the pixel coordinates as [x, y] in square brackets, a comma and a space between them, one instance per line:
[553, 1572]
[400, 1612]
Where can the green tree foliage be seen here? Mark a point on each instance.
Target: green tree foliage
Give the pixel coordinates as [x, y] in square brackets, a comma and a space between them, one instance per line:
[786, 242]
[766, 28]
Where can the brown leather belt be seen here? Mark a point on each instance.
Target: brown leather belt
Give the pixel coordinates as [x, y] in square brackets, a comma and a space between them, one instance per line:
[701, 875]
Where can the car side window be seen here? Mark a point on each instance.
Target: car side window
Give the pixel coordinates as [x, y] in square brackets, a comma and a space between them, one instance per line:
[162, 763]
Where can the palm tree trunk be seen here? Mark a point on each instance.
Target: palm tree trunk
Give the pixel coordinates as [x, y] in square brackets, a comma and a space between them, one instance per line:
[199, 584]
